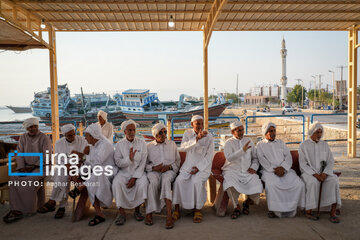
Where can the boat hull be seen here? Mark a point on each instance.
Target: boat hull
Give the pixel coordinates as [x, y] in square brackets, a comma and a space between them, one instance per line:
[20, 109]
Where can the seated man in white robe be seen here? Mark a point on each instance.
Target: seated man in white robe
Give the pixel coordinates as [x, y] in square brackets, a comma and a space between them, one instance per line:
[190, 185]
[130, 184]
[317, 165]
[101, 169]
[107, 128]
[69, 144]
[284, 189]
[24, 196]
[239, 170]
[163, 163]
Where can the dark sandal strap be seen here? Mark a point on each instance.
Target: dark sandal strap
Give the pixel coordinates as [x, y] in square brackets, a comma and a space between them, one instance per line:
[96, 220]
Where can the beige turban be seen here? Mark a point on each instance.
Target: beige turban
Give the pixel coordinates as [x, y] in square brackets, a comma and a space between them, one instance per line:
[127, 123]
[235, 124]
[157, 128]
[102, 114]
[266, 126]
[95, 131]
[30, 122]
[196, 117]
[314, 127]
[67, 128]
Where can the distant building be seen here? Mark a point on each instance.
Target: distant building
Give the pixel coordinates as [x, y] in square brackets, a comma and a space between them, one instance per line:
[264, 94]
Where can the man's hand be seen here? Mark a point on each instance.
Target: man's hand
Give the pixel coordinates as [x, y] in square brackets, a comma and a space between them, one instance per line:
[323, 176]
[158, 168]
[131, 183]
[279, 171]
[201, 135]
[317, 176]
[246, 146]
[251, 171]
[194, 170]
[21, 170]
[80, 155]
[165, 168]
[29, 169]
[132, 154]
[87, 150]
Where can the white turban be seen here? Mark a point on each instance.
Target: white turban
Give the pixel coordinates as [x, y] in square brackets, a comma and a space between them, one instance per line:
[102, 114]
[127, 123]
[314, 127]
[196, 117]
[266, 127]
[157, 128]
[30, 122]
[95, 131]
[67, 128]
[235, 124]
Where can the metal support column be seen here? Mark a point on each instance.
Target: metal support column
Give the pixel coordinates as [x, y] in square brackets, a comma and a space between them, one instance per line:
[54, 87]
[352, 90]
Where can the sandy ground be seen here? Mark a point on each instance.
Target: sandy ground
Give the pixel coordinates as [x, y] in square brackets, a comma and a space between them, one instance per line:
[254, 226]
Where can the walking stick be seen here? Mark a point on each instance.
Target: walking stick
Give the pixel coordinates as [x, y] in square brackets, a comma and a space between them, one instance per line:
[323, 165]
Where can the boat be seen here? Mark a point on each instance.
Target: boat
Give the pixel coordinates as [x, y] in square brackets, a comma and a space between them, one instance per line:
[143, 106]
[20, 109]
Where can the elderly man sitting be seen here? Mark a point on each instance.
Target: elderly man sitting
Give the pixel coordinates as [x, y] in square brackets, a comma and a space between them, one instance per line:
[69, 144]
[240, 169]
[107, 128]
[190, 185]
[23, 197]
[100, 162]
[130, 184]
[284, 189]
[163, 163]
[316, 164]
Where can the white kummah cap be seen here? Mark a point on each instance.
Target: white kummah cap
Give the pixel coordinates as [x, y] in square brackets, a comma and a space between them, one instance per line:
[102, 114]
[67, 128]
[127, 123]
[157, 128]
[30, 122]
[196, 117]
[314, 127]
[95, 131]
[235, 124]
[266, 126]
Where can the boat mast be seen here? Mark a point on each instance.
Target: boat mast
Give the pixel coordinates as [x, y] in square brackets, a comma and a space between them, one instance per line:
[82, 103]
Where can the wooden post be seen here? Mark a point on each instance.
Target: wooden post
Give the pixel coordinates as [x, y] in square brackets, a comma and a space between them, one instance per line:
[53, 87]
[352, 90]
[81, 129]
[206, 100]
[168, 123]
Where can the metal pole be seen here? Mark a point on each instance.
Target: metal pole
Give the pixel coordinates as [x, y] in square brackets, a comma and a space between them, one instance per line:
[333, 73]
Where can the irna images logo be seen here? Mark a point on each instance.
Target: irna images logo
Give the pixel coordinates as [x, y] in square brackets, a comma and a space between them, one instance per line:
[40, 155]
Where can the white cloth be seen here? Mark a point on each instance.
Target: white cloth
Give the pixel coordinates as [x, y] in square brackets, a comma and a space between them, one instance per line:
[124, 124]
[235, 169]
[130, 197]
[103, 115]
[266, 126]
[95, 131]
[235, 124]
[314, 127]
[61, 181]
[157, 128]
[311, 154]
[67, 128]
[196, 117]
[101, 154]
[159, 187]
[190, 190]
[286, 193]
[30, 122]
[107, 131]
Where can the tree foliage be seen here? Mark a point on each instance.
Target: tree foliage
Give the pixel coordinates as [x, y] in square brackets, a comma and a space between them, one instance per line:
[295, 95]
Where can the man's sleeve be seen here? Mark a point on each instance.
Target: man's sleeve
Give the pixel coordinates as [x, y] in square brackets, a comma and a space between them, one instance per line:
[206, 162]
[120, 160]
[139, 171]
[287, 163]
[187, 144]
[303, 163]
[20, 161]
[262, 159]
[329, 169]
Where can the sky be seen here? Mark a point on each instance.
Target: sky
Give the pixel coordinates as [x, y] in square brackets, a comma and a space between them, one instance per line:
[171, 63]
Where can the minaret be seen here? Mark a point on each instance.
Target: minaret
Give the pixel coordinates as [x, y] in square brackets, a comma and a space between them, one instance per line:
[283, 53]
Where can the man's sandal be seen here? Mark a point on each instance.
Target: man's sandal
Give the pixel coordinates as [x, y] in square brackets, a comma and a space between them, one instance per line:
[46, 208]
[312, 216]
[334, 219]
[96, 220]
[13, 216]
[176, 216]
[198, 217]
[271, 214]
[138, 216]
[246, 209]
[169, 223]
[60, 213]
[148, 220]
[74, 193]
[235, 214]
[120, 220]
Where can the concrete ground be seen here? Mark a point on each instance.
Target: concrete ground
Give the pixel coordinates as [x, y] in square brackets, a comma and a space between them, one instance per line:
[254, 226]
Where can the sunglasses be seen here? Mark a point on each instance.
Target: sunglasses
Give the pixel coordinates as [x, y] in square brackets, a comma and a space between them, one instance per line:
[162, 132]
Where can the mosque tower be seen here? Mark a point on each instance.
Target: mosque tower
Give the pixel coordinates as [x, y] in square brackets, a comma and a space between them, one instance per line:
[283, 53]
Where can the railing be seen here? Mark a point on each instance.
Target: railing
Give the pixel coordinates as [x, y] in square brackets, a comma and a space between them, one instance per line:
[282, 116]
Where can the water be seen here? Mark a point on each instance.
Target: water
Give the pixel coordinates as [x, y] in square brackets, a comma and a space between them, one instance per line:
[8, 115]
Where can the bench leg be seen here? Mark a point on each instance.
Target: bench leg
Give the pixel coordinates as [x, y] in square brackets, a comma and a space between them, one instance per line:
[82, 206]
[221, 202]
